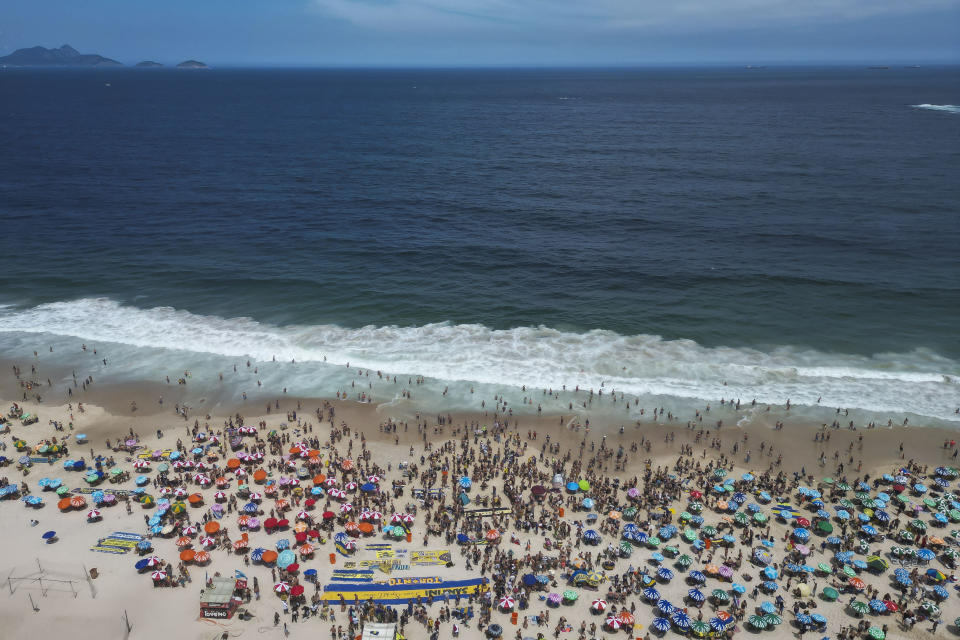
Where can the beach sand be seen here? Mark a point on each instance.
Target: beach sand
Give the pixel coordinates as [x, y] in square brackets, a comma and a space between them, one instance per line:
[67, 603]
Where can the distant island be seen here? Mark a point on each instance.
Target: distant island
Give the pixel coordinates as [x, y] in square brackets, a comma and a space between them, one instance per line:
[65, 56]
[192, 64]
[148, 64]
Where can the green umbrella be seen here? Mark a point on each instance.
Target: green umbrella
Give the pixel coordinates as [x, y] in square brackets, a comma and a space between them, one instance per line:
[653, 541]
[859, 607]
[686, 515]
[720, 595]
[904, 498]
[951, 553]
[861, 496]
[63, 490]
[696, 507]
[824, 568]
[760, 517]
[163, 467]
[116, 471]
[626, 548]
[868, 504]
[671, 551]
[876, 633]
[684, 561]
[699, 627]
[906, 536]
[757, 622]
[849, 572]
[571, 595]
[709, 531]
[824, 527]
[719, 472]
[689, 535]
[930, 608]
[930, 502]
[741, 518]
[843, 486]
[584, 485]
[827, 481]
[772, 618]
[829, 593]
[629, 513]
[846, 504]
[918, 524]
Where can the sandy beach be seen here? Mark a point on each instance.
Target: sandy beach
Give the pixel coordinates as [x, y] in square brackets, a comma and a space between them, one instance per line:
[695, 513]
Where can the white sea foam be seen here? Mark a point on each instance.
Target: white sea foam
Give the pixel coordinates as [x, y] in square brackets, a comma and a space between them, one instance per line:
[462, 356]
[951, 108]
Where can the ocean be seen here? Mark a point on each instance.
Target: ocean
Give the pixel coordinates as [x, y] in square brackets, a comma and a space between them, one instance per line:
[678, 235]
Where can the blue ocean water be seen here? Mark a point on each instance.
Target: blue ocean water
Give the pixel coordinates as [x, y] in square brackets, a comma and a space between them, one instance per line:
[671, 233]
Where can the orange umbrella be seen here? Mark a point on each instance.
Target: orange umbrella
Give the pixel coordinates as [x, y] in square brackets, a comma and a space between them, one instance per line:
[857, 583]
[78, 502]
[319, 479]
[314, 460]
[222, 481]
[493, 534]
[184, 541]
[300, 526]
[365, 527]
[233, 463]
[626, 618]
[314, 453]
[242, 520]
[187, 555]
[240, 544]
[270, 490]
[64, 504]
[281, 503]
[711, 569]
[352, 526]
[269, 556]
[259, 475]
[211, 527]
[306, 549]
[201, 556]
[195, 498]
[347, 464]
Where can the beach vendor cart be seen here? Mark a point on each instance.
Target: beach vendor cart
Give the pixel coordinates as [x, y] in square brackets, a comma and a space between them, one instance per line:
[218, 600]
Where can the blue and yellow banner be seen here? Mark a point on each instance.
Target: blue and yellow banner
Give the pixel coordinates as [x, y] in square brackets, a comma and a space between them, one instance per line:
[403, 590]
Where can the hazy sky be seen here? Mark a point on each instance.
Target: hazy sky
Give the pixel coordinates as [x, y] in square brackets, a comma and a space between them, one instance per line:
[490, 32]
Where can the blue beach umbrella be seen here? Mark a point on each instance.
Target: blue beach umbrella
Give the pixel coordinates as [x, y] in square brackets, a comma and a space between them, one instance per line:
[680, 619]
[591, 535]
[286, 558]
[664, 574]
[770, 573]
[251, 507]
[282, 544]
[769, 585]
[651, 594]
[877, 606]
[665, 607]
[719, 624]
[587, 503]
[661, 624]
[572, 486]
[144, 545]
[818, 619]
[142, 565]
[696, 595]
[257, 554]
[466, 482]
[697, 576]
[869, 530]
[736, 587]
[768, 607]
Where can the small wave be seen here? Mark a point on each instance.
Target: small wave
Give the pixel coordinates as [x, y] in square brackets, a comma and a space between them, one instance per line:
[918, 382]
[950, 108]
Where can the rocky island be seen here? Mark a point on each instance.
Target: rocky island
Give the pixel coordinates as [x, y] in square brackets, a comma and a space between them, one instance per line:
[192, 64]
[65, 56]
[148, 64]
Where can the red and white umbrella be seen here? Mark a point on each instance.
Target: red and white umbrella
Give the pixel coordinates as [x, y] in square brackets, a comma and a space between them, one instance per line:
[374, 479]
[179, 464]
[282, 587]
[331, 482]
[219, 495]
[180, 492]
[188, 530]
[599, 605]
[243, 456]
[165, 491]
[188, 464]
[346, 508]
[396, 518]
[154, 561]
[257, 456]
[158, 575]
[93, 514]
[240, 473]
[338, 494]
[303, 515]
[506, 603]
[203, 479]
[141, 464]
[256, 497]
[207, 541]
[350, 486]
[407, 518]
[373, 516]
[201, 465]
[613, 622]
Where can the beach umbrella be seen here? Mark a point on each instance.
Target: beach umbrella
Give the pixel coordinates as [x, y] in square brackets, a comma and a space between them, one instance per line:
[859, 607]
[770, 573]
[613, 623]
[664, 574]
[930, 608]
[877, 606]
[876, 633]
[696, 595]
[940, 593]
[757, 622]
[665, 607]
[158, 575]
[680, 619]
[570, 595]
[651, 594]
[719, 595]
[925, 555]
[660, 624]
[697, 576]
[684, 561]
[598, 605]
[769, 585]
[699, 628]
[506, 603]
[736, 587]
